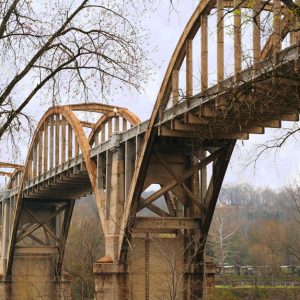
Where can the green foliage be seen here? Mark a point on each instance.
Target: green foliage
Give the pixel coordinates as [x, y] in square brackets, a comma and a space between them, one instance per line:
[237, 12]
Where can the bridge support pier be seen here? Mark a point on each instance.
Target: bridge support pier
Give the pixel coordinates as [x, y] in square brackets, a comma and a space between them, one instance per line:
[199, 283]
[110, 280]
[5, 287]
[148, 274]
[61, 289]
[194, 285]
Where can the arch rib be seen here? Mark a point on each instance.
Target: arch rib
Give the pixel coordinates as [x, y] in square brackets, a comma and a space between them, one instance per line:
[124, 113]
[82, 140]
[10, 165]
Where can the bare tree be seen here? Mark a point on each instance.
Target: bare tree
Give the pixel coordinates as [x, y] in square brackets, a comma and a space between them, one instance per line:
[67, 49]
[291, 241]
[222, 237]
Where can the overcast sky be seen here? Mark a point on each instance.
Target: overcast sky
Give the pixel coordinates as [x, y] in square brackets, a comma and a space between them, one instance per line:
[165, 27]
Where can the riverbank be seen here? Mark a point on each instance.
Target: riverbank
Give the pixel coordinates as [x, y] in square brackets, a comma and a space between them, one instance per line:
[258, 293]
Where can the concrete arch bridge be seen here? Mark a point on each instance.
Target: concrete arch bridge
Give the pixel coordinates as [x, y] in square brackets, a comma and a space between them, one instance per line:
[156, 182]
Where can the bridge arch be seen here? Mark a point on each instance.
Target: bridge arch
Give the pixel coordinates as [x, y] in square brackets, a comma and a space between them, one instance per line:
[59, 137]
[122, 116]
[14, 175]
[169, 94]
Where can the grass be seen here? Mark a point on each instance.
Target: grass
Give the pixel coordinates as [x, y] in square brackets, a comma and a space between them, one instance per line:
[258, 293]
[259, 287]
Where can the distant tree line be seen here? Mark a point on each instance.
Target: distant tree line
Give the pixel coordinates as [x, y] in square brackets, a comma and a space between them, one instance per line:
[257, 227]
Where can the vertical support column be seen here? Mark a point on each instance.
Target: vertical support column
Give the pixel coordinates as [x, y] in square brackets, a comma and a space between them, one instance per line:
[196, 187]
[57, 121]
[129, 165]
[292, 32]
[96, 138]
[256, 32]
[208, 276]
[100, 165]
[138, 143]
[11, 211]
[76, 148]
[46, 145]
[51, 153]
[115, 200]
[175, 87]
[220, 42]
[124, 124]
[103, 134]
[193, 249]
[237, 39]
[189, 68]
[35, 158]
[5, 235]
[40, 154]
[277, 25]
[108, 184]
[111, 277]
[117, 123]
[203, 178]
[109, 128]
[63, 139]
[29, 170]
[70, 141]
[297, 25]
[204, 53]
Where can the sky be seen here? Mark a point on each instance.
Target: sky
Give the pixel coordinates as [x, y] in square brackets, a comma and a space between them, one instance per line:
[164, 27]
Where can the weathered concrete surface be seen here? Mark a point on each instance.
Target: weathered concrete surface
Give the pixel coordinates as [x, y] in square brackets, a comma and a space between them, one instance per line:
[210, 271]
[5, 287]
[33, 279]
[63, 287]
[156, 269]
[110, 280]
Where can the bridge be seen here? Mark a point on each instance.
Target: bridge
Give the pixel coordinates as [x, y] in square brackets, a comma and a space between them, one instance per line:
[155, 183]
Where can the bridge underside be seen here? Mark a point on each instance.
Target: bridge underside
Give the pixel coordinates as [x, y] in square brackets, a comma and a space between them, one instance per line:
[42, 233]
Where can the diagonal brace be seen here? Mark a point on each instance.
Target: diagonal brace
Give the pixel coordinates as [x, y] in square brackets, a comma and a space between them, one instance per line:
[43, 224]
[181, 179]
[30, 229]
[185, 188]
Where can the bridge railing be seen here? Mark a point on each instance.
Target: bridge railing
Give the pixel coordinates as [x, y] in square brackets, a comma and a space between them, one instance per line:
[61, 136]
[250, 30]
